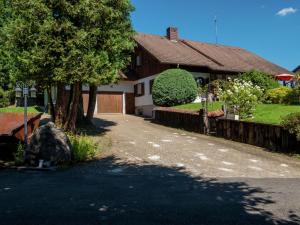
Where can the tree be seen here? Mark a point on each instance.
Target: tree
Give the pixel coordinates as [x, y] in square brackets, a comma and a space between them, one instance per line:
[174, 87]
[68, 42]
[241, 97]
[261, 79]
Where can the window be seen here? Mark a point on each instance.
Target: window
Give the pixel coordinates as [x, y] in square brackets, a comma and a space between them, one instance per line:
[138, 60]
[200, 81]
[139, 89]
[150, 86]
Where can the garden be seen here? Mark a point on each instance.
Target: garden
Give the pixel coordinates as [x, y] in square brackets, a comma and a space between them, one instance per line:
[252, 96]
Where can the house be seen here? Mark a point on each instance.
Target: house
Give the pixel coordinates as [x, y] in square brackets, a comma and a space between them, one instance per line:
[154, 54]
[297, 70]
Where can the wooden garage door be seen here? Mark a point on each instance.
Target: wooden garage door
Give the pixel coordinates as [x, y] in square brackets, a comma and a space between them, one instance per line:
[110, 102]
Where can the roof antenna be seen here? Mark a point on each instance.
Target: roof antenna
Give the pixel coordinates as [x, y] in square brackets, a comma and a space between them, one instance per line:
[216, 28]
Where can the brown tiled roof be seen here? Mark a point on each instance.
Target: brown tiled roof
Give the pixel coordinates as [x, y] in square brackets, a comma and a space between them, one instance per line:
[217, 58]
[297, 69]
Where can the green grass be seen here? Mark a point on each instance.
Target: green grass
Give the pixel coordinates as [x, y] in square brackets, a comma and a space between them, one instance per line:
[197, 106]
[13, 109]
[272, 113]
[265, 113]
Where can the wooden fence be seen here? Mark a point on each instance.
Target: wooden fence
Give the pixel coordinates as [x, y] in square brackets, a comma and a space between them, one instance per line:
[272, 137]
[263, 135]
[183, 119]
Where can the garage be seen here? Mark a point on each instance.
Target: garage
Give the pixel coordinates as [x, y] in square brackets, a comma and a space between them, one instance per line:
[110, 102]
[114, 98]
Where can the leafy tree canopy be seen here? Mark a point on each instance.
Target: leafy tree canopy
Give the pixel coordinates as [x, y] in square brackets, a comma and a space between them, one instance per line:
[65, 41]
[263, 80]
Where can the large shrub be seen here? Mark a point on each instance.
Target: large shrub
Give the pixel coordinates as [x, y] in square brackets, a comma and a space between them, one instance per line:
[174, 87]
[292, 123]
[278, 95]
[293, 98]
[263, 80]
[241, 97]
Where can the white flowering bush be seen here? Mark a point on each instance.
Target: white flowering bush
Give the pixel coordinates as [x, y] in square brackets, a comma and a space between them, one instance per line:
[241, 97]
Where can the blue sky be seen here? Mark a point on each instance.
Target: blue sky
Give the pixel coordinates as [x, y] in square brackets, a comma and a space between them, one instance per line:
[269, 28]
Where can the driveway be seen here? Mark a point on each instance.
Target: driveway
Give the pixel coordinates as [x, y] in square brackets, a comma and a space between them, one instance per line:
[157, 175]
[138, 141]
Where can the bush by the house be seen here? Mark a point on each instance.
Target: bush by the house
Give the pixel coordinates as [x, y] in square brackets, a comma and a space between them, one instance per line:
[19, 155]
[278, 95]
[292, 123]
[241, 97]
[293, 98]
[263, 80]
[174, 87]
[84, 148]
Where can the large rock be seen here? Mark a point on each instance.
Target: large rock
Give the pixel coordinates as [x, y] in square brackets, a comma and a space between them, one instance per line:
[49, 144]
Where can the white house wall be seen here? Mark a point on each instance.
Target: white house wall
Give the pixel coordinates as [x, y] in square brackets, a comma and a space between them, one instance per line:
[146, 99]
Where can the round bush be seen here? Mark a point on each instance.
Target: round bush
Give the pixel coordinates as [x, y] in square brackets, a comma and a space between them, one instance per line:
[291, 123]
[278, 95]
[293, 98]
[174, 87]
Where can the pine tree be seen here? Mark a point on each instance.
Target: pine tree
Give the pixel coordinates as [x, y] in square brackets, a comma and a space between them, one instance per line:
[67, 42]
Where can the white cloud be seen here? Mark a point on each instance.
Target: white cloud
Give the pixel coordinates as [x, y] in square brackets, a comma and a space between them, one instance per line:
[286, 11]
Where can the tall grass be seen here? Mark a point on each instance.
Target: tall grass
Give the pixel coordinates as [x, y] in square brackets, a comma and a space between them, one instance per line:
[84, 148]
[19, 155]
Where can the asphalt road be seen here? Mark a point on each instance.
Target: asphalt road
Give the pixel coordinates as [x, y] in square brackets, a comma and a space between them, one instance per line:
[156, 175]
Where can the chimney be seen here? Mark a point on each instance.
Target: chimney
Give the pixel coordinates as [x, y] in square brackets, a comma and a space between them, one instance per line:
[172, 34]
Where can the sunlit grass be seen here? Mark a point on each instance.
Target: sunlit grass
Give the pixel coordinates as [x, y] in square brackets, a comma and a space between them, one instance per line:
[264, 113]
[13, 109]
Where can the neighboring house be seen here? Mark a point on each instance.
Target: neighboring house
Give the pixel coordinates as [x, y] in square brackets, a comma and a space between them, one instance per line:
[297, 70]
[154, 54]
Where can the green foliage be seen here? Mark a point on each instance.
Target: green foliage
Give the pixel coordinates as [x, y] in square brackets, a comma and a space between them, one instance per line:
[83, 148]
[4, 98]
[19, 154]
[65, 41]
[13, 109]
[174, 87]
[263, 80]
[293, 98]
[241, 97]
[292, 123]
[278, 95]
[214, 87]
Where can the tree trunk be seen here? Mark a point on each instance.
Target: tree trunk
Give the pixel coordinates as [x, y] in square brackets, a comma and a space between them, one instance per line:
[61, 105]
[92, 102]
[52, 110]
[80, 112]
[71, 118]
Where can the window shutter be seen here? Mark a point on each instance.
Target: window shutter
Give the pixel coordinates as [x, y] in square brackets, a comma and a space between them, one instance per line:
[143, 89]
[135, 90]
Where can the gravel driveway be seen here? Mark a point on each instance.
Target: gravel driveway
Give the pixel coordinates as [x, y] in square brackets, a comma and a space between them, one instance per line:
[139, 141]
[154, 175]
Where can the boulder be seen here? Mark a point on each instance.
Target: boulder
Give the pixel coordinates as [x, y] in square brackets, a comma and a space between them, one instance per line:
[50, 144]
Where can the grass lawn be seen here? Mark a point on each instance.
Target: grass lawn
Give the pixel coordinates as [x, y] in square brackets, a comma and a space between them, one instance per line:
[197, 106]
[265, 113]
[33, 109]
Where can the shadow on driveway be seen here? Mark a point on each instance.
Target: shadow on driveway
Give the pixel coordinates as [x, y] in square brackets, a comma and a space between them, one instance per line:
[112, 192]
